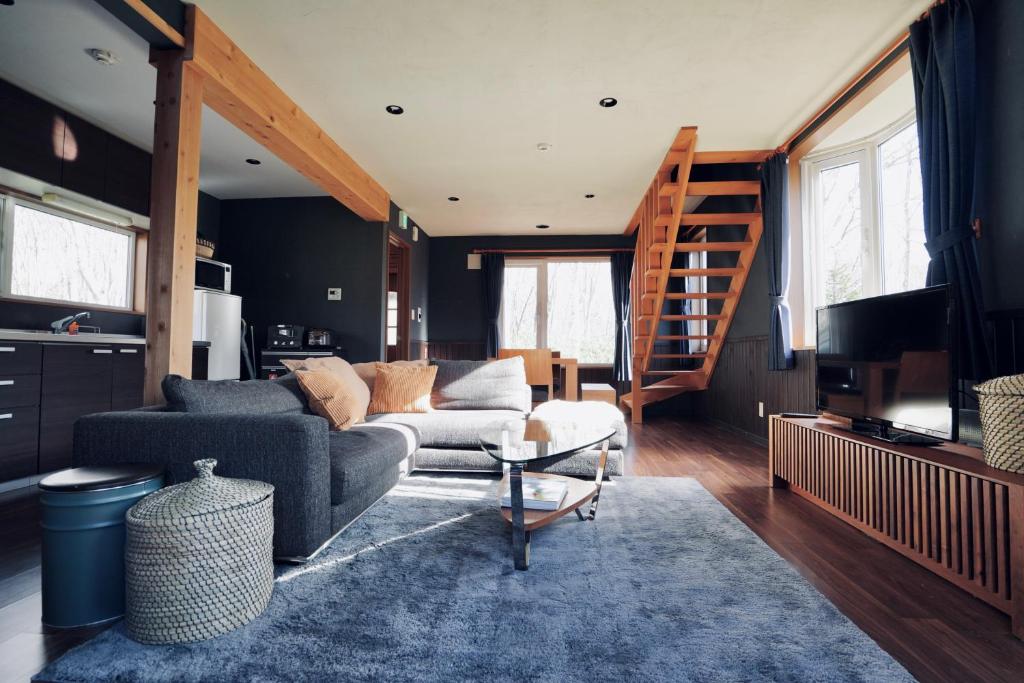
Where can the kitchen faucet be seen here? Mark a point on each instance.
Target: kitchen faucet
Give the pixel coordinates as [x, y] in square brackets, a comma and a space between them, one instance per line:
[62, 325]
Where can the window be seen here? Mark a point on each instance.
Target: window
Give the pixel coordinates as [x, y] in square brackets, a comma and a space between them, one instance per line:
[561, 304]
[392, 331]
[52, 256]
[863, 206]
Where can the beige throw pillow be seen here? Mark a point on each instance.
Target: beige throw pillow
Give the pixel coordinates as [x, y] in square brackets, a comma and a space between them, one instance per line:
[402, 389]
[368, 371]
[330, 398]
[345, 374]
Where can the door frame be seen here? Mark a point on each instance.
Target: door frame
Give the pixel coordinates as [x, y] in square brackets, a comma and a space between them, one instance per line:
[404, 273]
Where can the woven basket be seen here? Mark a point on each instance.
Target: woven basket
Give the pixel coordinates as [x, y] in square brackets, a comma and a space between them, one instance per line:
[199, 558]
[1002, 422]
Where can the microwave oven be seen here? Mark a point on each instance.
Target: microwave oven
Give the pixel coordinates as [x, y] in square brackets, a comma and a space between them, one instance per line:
[213, 275]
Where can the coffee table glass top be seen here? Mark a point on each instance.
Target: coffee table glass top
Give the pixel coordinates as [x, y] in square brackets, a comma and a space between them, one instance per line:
[532, 440]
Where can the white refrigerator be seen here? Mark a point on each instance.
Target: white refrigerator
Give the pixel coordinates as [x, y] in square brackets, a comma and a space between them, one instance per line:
[217, 318]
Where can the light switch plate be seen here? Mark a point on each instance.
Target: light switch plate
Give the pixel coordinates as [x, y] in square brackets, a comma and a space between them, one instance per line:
[760, 408]
[415, 233]
[412, 314]
[334, 293]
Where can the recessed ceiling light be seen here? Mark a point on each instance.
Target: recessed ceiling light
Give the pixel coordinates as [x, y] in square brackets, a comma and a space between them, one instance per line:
[254, 162]
[393, 109]
[543, 146]
[104, 57]
[7, 2]
[608, 102]
[588, 196]
[542, 226]
[453, 199]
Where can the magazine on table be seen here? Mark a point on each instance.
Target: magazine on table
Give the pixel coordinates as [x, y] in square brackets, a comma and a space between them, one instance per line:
[538, 494]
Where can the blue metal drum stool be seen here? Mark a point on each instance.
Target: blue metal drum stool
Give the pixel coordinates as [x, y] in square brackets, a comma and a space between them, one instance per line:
[83, 511]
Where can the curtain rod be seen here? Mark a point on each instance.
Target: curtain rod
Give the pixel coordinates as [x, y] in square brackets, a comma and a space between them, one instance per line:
[550, 251]
[871, 71]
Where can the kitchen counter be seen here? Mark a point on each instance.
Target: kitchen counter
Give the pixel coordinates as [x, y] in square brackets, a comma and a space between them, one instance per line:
[80, 338]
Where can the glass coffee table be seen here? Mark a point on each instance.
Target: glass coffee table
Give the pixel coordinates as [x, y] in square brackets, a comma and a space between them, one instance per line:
[528, 444]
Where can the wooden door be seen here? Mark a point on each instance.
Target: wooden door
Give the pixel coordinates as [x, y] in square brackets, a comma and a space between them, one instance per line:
[397, 312]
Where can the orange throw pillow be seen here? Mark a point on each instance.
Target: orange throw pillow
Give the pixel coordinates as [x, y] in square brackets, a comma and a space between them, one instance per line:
[402, 389]
[342, 371]
[328, 397]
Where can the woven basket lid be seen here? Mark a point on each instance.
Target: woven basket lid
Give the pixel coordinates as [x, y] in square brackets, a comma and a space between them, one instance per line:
[205, 494]
[1011, 385]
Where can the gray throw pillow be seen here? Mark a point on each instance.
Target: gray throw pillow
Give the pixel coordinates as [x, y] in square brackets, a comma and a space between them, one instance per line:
[252, 397]
[480, 385]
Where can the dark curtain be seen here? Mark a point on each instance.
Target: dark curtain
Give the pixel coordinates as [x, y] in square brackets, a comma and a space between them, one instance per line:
[493, 268]
[775, 212]
[622, 269]
[942, 59]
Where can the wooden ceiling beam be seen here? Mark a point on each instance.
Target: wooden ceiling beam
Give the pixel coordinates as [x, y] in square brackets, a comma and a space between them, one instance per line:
[237, 89]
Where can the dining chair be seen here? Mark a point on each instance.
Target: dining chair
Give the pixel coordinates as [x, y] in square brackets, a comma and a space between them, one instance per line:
[538, 367]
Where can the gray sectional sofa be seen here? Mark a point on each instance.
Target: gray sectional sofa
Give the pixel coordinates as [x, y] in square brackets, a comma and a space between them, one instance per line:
[323, 480]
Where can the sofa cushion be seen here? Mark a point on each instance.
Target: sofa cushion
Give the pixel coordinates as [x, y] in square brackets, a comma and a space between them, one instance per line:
[401, 389]
[252, 397]
[329, 397]
[480, 385]
[447, 428]
[586, 411]
[344, 373]
[364, 453]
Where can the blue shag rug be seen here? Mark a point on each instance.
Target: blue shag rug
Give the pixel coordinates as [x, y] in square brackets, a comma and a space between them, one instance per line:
[666, 585]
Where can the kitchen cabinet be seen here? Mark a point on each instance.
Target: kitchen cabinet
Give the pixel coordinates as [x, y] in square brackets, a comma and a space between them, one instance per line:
[128, 372]
[32, 134]
[20, 365]
[126, 176]
[44, 142]
[46, 386]
[77, 380]
[85, 153]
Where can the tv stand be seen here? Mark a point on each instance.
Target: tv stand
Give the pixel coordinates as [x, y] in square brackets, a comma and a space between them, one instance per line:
[891, 434]
[943, 507]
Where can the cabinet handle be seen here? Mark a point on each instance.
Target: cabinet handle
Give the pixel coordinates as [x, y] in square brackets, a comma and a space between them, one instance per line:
[7, 349]
[127, 350]
[6, 416]
[6, 382]
[102, 350]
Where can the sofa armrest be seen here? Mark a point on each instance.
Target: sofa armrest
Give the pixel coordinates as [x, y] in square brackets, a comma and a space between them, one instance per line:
[288, 451]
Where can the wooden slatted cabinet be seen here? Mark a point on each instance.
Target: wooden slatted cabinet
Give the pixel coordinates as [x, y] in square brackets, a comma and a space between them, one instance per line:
[943, 508]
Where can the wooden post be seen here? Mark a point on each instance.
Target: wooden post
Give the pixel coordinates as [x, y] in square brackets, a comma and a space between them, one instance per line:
[174, 199]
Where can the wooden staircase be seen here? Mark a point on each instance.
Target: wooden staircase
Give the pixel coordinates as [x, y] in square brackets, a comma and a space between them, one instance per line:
[701, 297]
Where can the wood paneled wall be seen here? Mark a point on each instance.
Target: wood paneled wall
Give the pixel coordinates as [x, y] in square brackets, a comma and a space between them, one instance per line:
[742, 379]
[941, 507]
[456, 350]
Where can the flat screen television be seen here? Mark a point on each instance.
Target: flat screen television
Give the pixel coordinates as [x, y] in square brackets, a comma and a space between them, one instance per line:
[889, 363]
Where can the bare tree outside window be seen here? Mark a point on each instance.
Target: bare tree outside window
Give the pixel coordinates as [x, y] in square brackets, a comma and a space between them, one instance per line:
[842, 234]
[53, 257]
[904, 257]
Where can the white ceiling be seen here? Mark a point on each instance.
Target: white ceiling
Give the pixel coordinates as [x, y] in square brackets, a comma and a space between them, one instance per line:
[42, 49]
[482, 82]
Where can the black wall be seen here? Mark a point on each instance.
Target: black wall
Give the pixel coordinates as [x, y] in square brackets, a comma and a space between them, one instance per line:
[1000, 111]
[285, 253]
[456, 302]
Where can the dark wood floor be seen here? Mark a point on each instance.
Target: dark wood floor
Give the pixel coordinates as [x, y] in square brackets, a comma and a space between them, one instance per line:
[938, 632]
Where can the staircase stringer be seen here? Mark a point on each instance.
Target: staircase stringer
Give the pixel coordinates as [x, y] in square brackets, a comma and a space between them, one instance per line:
[678, 199]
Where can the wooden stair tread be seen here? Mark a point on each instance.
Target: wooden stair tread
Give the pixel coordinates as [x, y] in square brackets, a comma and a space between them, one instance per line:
[677, 318]
[723, 188]
[680, 337]
[703, 246]
[680, 296]
[695, 219]
[696, 272]
[745, 156]
[679, 355]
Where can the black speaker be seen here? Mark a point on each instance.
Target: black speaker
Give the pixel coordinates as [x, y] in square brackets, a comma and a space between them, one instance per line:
[970, 427]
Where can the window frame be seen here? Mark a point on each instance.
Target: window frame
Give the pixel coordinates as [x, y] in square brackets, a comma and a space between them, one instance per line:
[867, 152]
[8, 204]
[541, 316]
